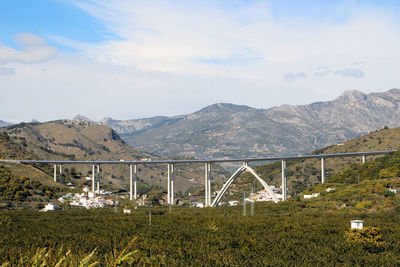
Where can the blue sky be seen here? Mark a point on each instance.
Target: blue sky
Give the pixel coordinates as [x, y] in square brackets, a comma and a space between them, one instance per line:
[61, 17]
[47, 17]
[174, 57]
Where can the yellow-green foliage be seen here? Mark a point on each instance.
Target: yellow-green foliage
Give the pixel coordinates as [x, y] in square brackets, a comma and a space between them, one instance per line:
[5, 221]
[364, 205]
[365, 235]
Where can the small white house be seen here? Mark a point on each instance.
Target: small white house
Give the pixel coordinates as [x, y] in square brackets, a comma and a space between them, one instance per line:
[50, 207]
[357, 224]
[393, 190]
[233, 203]
[127, 211]
[311, 196]
[91, 194]
[198, 204]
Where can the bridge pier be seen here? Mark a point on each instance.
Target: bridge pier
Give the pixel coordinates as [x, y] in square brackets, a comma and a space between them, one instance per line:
[170, 197]
[55, 173]
[98, 179]
[207, 184]
[172, 184]
[135, 183]
[322, 170]
[93, 179]
[284, 180]
[130, 182]
[61, 176]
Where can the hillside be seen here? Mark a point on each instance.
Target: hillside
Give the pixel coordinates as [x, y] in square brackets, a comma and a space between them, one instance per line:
[80, 139]
[223, 130]
[304, 173]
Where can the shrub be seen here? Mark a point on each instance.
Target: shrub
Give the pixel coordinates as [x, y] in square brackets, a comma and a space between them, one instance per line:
[388, 193]
[364, 205]
[365, 235]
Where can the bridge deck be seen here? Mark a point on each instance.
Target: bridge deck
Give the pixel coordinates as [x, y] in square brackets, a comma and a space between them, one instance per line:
[178, 161]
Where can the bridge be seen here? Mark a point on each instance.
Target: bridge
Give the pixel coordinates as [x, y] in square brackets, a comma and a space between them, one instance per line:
[133, 167]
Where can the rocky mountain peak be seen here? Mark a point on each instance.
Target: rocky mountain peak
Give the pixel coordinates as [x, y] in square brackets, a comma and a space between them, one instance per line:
[83, 118]
[223, 107]
[352, 96]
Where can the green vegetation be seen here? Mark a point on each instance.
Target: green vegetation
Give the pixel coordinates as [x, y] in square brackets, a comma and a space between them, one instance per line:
[16, 188]
[384, 167]
[282, 234]
[305, 173]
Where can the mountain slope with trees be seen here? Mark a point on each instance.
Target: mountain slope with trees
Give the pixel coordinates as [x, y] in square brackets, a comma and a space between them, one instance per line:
[302, 174]
[82, 140]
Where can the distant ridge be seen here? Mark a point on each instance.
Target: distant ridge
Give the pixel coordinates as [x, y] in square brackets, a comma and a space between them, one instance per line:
[225, 129]
[83, 118]
[4, 123]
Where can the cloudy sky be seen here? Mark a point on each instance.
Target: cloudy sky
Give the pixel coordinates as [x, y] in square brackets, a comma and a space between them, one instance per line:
[132, 59]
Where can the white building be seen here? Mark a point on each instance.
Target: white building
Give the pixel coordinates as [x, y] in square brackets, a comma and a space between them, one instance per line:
[263, 195]
[233, 203]
[311, 196]
[198, 204]
[50, 207]
[127, 211]
[357, 224]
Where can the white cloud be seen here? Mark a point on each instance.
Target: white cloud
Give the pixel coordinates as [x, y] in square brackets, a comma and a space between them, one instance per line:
[173, 57]
[289, 77]
[7, 71]
[167, 36]
[33, 49]
[350, 72]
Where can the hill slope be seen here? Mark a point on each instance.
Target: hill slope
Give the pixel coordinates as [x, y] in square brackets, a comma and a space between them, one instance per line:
[236, 131]
[79, 139]
[304, 173]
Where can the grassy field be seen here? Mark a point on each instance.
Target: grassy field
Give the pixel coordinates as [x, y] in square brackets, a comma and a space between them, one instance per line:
[290, 233]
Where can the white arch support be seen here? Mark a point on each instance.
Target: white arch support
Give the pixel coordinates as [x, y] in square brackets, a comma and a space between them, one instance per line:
[264, 183]
[228, 183]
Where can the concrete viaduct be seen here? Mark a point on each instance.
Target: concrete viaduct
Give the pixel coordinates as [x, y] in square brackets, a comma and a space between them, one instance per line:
[133, 167]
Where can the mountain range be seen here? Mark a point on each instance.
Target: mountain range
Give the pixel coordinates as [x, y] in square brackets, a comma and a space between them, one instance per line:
[228, 130]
